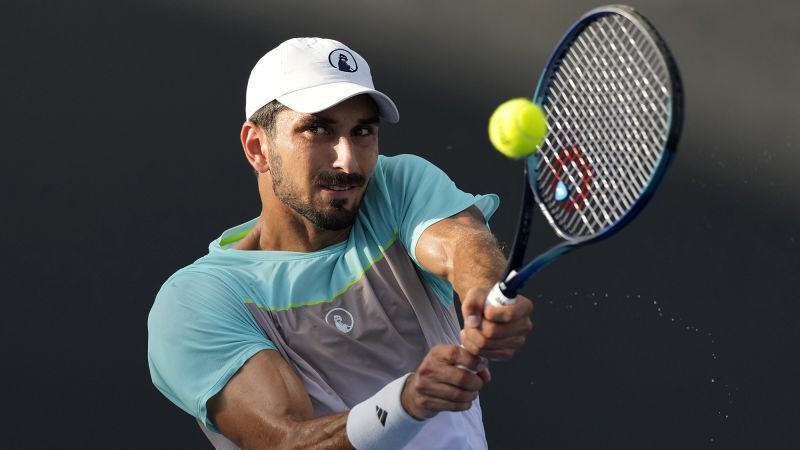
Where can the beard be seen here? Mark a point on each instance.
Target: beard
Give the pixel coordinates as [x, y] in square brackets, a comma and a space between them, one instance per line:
[332, 215]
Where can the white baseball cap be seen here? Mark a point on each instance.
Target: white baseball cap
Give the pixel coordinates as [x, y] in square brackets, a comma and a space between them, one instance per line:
[312, 74]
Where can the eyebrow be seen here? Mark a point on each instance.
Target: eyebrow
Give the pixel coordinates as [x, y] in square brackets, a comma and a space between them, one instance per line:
[327, 120]
[370, 121]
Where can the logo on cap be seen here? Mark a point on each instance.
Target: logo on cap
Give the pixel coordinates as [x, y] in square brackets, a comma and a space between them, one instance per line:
[343, 60]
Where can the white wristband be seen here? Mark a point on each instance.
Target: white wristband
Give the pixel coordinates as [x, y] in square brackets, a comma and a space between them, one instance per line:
[381, 422]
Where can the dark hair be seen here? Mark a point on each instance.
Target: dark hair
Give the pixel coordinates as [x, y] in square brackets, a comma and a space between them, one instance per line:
[264, 118]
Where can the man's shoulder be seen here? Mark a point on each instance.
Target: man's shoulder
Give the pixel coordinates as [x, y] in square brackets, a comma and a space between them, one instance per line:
[198, 275]
[403, 161]
[394, 174]
[212, 272]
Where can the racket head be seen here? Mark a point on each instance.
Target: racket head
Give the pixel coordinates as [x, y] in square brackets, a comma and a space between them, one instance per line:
[613, 99]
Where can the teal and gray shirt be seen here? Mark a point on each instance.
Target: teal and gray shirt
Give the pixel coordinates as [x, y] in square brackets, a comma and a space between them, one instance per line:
[348, 318]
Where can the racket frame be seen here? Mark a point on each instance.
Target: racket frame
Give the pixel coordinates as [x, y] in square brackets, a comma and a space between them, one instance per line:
[515, 277]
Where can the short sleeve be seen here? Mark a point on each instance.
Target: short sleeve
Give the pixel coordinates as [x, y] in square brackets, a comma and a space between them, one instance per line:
[199, 335]
[422, 194]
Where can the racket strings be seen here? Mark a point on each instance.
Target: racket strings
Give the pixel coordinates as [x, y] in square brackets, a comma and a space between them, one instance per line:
[608, 106]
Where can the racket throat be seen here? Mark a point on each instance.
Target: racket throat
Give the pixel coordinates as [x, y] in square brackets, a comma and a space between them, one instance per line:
[513, 285]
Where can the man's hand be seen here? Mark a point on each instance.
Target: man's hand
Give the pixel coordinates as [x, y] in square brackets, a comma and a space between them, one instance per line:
[494, 332]
[439, 385]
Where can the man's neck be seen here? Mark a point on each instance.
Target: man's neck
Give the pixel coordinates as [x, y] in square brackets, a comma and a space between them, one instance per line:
[288, 231]
[280, 228]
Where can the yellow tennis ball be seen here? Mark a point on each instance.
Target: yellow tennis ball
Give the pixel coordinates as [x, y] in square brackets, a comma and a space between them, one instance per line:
[517, 127]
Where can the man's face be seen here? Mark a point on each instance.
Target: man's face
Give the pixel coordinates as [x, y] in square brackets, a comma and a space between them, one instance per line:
[320, 163]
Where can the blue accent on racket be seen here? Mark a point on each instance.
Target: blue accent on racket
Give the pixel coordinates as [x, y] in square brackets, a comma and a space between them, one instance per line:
[561, 191]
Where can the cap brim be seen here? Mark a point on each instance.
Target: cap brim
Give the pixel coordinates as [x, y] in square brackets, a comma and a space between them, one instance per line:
[319, 98]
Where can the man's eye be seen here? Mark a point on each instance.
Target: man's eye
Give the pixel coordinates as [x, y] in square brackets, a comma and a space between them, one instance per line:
[317, 129]
[362, 131]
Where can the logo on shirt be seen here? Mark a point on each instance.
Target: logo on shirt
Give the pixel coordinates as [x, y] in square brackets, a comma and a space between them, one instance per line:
[340, 318]
[343, 60]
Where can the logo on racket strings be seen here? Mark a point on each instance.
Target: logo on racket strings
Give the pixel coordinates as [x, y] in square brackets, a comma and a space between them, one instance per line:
[571, 166]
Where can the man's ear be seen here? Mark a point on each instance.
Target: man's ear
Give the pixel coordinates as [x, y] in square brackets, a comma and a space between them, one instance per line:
[254, 140]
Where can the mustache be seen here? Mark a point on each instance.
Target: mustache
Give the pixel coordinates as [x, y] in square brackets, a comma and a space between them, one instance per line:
[338, 179]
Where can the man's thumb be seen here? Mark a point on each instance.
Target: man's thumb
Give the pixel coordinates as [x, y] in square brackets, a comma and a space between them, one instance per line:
[472, 310]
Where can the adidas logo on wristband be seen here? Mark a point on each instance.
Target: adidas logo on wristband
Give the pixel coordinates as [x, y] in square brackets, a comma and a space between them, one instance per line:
[364, 432]
[381, 415]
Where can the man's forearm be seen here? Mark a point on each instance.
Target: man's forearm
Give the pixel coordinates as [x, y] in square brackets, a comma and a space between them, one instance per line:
[462, 249]
[321, 433]
[477, 262]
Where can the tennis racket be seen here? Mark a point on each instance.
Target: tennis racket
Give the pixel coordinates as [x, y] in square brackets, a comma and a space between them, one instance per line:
[613, 100]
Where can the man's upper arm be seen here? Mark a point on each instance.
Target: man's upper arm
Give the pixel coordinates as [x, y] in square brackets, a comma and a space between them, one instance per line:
[199, 335]
[422, 195]
[436, 245]
[258, 405]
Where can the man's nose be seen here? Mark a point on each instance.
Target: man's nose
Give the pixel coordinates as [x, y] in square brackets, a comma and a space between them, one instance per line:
[345, 157]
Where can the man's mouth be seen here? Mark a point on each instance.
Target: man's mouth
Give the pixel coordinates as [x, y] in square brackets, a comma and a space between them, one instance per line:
[337, 187]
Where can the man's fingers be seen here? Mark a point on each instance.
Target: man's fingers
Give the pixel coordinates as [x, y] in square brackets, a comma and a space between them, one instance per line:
[509, 313]
[472, 341]
[453, 355]
[499, 355]
[494, 330]
[472, 306]
[465, 388]
[440, 383]
[476, 343]
[485, 374]
[437, 404]
[454, 365]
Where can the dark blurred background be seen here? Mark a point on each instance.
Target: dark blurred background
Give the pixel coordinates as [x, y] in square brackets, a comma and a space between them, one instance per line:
[121, 161]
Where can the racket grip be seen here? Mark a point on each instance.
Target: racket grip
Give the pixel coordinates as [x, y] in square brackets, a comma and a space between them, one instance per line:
[497, 298]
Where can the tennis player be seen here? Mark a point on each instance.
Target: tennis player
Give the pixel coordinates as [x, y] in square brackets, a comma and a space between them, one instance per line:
[328, 321]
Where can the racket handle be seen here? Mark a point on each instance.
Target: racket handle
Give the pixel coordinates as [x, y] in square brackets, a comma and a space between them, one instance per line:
[497, 298]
